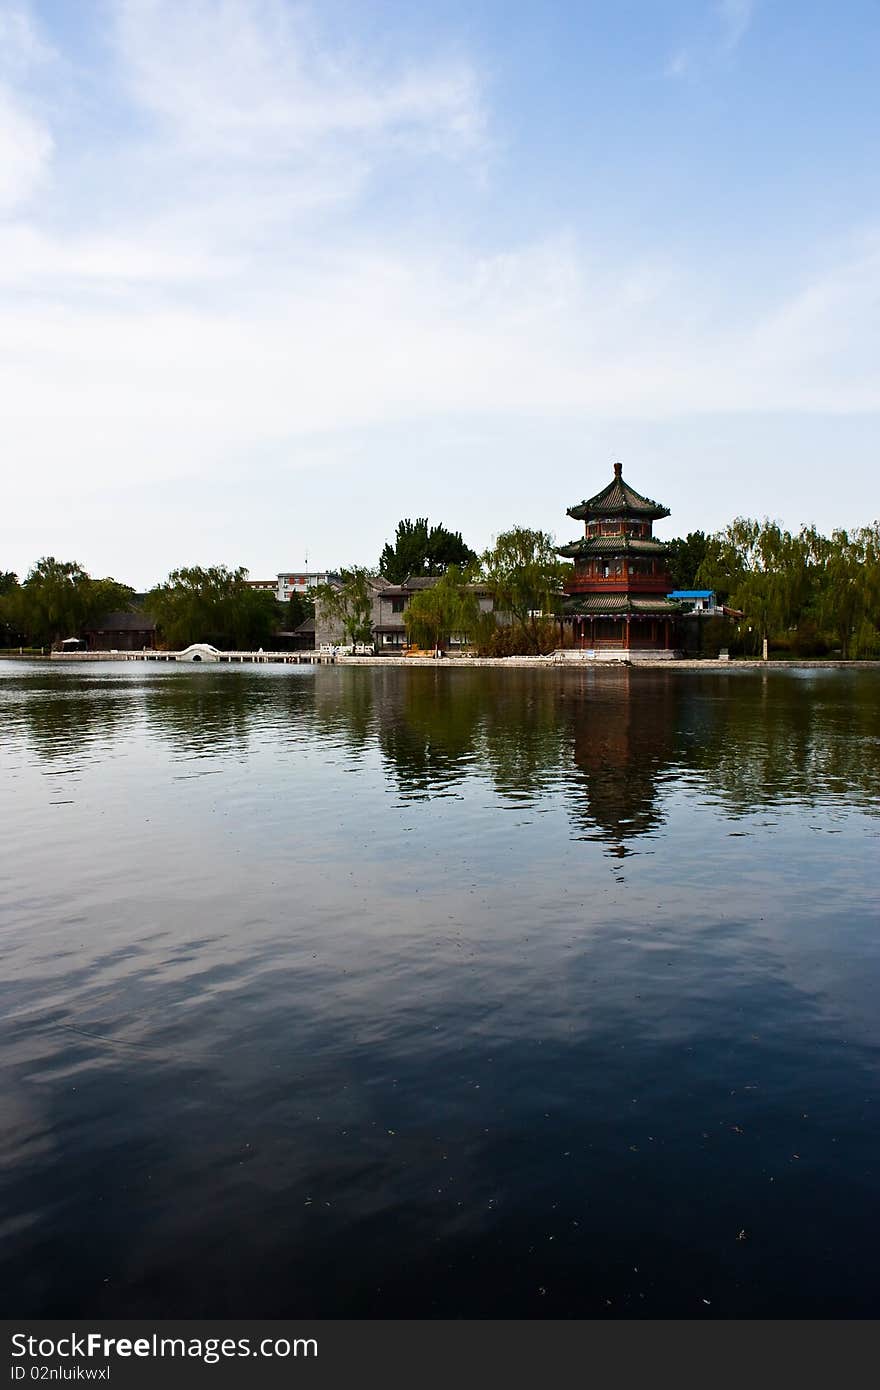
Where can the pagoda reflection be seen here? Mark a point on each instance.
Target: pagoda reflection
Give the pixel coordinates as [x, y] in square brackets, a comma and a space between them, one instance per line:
[623, 735]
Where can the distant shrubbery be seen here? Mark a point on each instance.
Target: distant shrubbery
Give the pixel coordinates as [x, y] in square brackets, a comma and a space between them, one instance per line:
[506, 640]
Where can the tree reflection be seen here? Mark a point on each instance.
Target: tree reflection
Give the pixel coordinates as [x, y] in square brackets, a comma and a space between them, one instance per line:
[345, 701]
[786, 737]
[60, 720]
[205, 713]
[429, 728]
[607, 742]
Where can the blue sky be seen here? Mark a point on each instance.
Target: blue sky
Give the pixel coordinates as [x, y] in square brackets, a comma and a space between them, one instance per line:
[274, 275]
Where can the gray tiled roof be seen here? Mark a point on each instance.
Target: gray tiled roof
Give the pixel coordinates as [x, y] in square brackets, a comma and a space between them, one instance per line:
[615, 545]
[618, 605]
[617, 499]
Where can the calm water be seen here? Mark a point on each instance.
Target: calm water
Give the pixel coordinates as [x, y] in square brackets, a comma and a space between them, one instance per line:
[441, 993]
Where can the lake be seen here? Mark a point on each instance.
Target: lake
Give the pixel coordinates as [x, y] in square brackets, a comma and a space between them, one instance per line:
[442, 993]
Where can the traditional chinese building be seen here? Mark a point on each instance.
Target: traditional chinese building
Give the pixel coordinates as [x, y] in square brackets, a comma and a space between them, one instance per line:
[617, 595]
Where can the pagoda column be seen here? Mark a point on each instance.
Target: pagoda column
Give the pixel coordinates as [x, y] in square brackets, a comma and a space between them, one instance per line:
[626, 638]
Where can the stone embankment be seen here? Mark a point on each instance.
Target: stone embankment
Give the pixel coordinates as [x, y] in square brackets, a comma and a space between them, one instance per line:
[555, 661]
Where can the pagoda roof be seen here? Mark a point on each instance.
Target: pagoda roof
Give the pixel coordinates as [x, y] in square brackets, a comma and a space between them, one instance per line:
[618, 606]
[618, 499]
[611, 545]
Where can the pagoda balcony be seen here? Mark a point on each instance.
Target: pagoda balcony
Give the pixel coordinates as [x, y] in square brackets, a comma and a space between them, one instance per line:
[620, 584]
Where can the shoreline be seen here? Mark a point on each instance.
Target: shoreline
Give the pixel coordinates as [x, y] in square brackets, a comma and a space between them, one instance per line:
[542, 663]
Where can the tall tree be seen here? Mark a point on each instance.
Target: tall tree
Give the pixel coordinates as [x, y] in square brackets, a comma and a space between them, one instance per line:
[685, 555]
[296, 610]
[525, 577]
[420, 549]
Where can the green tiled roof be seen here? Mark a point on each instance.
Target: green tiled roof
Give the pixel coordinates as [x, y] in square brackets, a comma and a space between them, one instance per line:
[615, 545]
[618, 499]
[618, 605]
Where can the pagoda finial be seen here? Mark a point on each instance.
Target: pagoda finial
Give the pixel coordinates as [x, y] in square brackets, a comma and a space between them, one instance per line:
[618, 469]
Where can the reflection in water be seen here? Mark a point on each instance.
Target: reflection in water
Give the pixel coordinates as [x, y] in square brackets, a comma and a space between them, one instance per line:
[201, 718]
[319, 996]
[748, 739]
[623, 738]
[63, 723]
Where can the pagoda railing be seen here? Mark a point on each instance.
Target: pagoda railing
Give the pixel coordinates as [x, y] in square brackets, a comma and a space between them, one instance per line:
[620, 584]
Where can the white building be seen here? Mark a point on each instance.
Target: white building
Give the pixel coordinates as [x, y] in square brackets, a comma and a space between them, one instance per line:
[301, 581]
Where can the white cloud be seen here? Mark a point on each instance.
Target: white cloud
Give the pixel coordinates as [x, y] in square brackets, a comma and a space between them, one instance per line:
[22, 46]
[360, 341]
[724, 30]
[31, 259]
[25, 141]
[678, 63]
[25, 152]
[249, 79]
[734, 16]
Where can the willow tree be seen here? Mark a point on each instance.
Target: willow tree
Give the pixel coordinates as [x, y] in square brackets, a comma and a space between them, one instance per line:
[764, 570]
[213, 604]
[525, 575]
[59, 599]
[448, 609]
[348, 605]
[849, 603]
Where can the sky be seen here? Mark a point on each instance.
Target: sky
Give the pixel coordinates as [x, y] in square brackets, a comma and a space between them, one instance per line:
[274, 275]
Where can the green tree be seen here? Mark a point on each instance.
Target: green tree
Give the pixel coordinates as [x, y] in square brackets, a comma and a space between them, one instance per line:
[525, 577]
[213, 604]
[449, 608]
[348, 605]
[684, 556]
[420, 549]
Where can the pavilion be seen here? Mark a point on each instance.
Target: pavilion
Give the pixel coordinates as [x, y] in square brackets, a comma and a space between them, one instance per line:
[616, 597]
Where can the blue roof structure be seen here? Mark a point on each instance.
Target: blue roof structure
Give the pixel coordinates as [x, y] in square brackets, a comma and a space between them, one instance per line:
[692, 593]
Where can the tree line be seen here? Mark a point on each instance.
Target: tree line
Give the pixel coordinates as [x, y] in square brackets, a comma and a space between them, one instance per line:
[805, 592]
[802, 591]
[59, 600]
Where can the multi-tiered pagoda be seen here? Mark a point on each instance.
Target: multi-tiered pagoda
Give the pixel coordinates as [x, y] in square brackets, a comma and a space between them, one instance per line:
[616, 597]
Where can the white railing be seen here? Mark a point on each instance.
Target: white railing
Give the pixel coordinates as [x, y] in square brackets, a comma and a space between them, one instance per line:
[350, 649]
